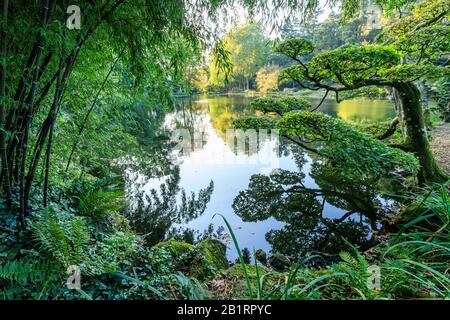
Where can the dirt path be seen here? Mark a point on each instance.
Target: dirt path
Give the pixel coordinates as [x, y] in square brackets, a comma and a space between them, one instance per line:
[441, 145]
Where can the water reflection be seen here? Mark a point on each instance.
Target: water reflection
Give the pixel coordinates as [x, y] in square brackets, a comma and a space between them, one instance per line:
[294, 207]
[358, 110]
[157, 210]
[153, 180]
[154, 157]
[317, 217]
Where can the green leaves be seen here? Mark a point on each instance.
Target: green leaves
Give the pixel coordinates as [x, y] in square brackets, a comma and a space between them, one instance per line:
[426, 43]
[254, 122]
[280, 105]
[296, 72]
[353, 65]
[345, 147]
[109, 255]
[295, 47]
[408, 72]
[61, 235]
[26, 270]
[240, 54]
[102, 199]
[424, 14]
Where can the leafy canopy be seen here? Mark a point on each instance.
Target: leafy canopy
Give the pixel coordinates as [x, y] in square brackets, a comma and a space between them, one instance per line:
[350, 66]
[280, 105]
[354, 152]
[295, 47]
[342, 145]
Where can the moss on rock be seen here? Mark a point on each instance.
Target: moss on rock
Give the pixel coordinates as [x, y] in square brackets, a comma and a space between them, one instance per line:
[200, 261]
[215, 251]
[176, 247]
[209, 257]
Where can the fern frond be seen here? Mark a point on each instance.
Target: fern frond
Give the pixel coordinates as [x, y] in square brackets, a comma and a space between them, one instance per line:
[62, 236]
[25, 270]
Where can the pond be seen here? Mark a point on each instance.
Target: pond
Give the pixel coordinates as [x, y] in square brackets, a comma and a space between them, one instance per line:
[277, 197]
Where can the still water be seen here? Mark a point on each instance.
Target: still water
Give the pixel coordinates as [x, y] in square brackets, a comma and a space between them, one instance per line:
[277, 198]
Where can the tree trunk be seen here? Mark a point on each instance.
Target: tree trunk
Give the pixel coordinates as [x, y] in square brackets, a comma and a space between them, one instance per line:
[415, 137]
[425, 103]
[28, 118]
[395, 98]
[47, 162]
[47, 126]
[5, 181]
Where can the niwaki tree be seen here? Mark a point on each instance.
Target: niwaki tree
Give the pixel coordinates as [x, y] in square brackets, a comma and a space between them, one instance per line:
[353, 67]
[422, 38]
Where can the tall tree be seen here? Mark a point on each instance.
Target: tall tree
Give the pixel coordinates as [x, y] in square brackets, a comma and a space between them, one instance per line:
[249, 51]
[5, 182]
[353, 67]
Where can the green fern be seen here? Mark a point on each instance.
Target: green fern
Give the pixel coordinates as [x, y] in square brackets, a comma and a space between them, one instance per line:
[102, 198]
[25, 271]
[61, 235]
[355, 267]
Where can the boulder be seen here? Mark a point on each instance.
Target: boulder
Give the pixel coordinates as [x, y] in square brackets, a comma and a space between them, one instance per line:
[261, 256]
[209, 257]
[279, 262]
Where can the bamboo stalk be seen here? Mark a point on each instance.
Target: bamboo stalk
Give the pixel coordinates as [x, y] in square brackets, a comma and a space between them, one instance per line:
[47, 129]
[5, 177]
[28, 119]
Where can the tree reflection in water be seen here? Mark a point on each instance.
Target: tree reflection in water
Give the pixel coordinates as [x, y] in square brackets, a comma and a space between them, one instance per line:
[285, 196]
[157, 210]
[154, 212]
[318, 205]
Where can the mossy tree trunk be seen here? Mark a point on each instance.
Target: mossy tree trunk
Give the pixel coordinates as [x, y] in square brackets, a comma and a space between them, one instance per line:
[416, 139]
[399, 111]
[425, 103]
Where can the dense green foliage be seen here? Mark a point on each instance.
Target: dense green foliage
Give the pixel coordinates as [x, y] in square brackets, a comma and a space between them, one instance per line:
[351, 67]
[346, 148]
[83, 122]
[280, 105]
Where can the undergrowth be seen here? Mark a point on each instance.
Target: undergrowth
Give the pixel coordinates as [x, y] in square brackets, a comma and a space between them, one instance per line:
[115, 262]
